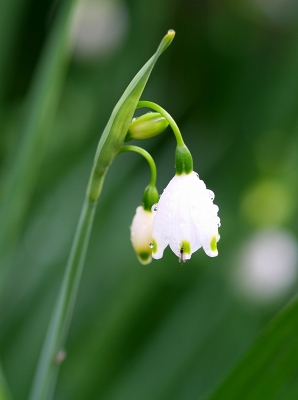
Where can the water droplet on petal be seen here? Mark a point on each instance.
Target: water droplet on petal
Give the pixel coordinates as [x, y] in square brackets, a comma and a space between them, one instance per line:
[151, 245]
[154, 208]
[211, 195]
[167, 240]
[218, 222]
[197, 175]
[182, 223]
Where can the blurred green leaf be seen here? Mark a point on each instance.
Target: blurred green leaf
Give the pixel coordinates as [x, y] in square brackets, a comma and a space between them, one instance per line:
[167, 332]
[270, 363]
[4, 390]
[22, 170]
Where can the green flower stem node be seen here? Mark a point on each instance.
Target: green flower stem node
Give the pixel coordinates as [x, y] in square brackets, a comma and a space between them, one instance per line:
[150, 197]
[146, 126]
[183, 160]
[116, 129]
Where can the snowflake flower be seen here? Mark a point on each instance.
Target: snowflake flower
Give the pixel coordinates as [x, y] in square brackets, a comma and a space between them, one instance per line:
[185, 218]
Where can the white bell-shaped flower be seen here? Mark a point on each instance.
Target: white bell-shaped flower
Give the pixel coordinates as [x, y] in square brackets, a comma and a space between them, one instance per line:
[185, 218]
[141, 234]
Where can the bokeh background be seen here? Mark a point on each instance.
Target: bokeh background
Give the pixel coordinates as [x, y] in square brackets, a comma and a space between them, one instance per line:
[164, 331]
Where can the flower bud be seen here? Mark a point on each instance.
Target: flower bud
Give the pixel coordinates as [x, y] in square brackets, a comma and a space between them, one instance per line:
[141, 234]
[146, 126]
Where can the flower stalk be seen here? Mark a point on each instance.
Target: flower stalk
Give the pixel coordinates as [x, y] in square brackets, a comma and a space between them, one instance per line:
[148, 158]
[183, 158]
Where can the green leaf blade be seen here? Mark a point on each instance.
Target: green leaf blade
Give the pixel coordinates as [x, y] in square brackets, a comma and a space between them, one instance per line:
[22, 170]
[268, 365]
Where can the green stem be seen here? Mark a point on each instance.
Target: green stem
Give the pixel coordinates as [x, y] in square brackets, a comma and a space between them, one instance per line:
[47, 370]
[147, 156]
[166, 115]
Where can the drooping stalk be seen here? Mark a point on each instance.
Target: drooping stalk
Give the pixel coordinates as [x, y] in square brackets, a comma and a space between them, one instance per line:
[166, 115]
[183, 157]
[147, 156]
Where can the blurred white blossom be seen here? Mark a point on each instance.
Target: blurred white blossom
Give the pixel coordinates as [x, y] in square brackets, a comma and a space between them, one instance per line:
[281, 12]
[267, 265]
[98, 27]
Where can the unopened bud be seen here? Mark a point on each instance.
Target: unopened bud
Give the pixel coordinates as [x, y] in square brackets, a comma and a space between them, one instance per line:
[141, 234]
[146, 126]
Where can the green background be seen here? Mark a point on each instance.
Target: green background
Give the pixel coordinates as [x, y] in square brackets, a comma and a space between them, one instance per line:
[164, 331]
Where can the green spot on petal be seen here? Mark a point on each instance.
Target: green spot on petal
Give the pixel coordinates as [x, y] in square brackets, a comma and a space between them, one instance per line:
[144, 257]
[213, 243]
[185, 246]
[154, 247]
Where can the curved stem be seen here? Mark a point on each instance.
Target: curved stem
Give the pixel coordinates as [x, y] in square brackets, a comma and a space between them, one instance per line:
[147, 156]
[166, 115]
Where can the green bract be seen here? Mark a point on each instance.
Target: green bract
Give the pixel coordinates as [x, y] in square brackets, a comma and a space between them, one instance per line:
[150, 197]
[116, 129]
[146, 126]
[183, 160]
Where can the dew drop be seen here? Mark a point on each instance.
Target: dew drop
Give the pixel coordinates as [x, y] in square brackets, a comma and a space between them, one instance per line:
[151, 245]
[182, 223]
[167, 240]
[211, 195]
[218, 222]
[154, 208]
[197, 175]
